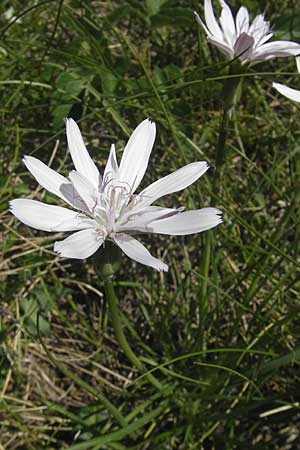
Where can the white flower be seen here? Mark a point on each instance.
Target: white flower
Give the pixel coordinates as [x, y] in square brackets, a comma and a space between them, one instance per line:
[292, 94]
[239, 38]
[108, 208]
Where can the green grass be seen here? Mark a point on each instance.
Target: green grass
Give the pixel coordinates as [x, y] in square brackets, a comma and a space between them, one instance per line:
[226, 347]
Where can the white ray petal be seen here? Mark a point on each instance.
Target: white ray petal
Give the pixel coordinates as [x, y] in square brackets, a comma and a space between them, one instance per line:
[200, 21]
[222, 45]
[46, 177]
[54, 182]
[82, 161]
[139, 221]
[263, 40]
[135, 250]
[298, 63]
[259, 27]
[176, 181]
[111, 172]
[242, 20]
[227, 22]
[84, 188]
[292, 94]
[79, 245]
[277, 48]
[80, 222]
[211, 21]
[136, 154]
[188, 222]
[43, 216]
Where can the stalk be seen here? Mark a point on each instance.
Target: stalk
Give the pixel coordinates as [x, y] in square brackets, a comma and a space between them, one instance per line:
[107, 264]
[231, 94]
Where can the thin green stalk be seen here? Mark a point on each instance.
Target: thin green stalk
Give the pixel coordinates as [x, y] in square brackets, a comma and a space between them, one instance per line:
[220, 151]
[107, 261]
[231, 91]
[203, 292]
[220, 160]
[108, 273]
[231, 95]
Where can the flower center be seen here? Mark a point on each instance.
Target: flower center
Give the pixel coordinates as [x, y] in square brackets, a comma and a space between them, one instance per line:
[113, 206]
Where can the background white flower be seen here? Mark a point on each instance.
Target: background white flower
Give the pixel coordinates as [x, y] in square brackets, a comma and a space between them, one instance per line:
[292, 94]
[239, 38]
[108, 208]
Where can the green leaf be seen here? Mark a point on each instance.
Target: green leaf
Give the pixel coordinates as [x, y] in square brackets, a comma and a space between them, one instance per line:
[174, 17]
[109, 81]
[68, 86]
[59, 113]
[30, 307]
[287, 26]
[154, 6]
[120, 434]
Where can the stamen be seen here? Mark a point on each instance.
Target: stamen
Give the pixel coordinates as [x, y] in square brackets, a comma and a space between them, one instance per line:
[132, 217]
[106, 182]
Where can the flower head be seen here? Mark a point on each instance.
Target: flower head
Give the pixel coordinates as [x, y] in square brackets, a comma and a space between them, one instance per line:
[108, 207]
[239, 38]
[292, 94]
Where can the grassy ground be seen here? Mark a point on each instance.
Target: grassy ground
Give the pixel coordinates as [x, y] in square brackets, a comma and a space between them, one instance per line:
[228, 354]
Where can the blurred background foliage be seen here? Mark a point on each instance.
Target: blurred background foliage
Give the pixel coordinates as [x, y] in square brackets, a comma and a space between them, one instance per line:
[230, 373]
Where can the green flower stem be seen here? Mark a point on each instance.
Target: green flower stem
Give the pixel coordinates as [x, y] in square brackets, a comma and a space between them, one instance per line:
[204, 282]
[107, 272]
[220, 151]
[220, 160]
[231, 94]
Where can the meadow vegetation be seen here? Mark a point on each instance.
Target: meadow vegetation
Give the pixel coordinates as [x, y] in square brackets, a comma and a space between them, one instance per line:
[222, 339]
